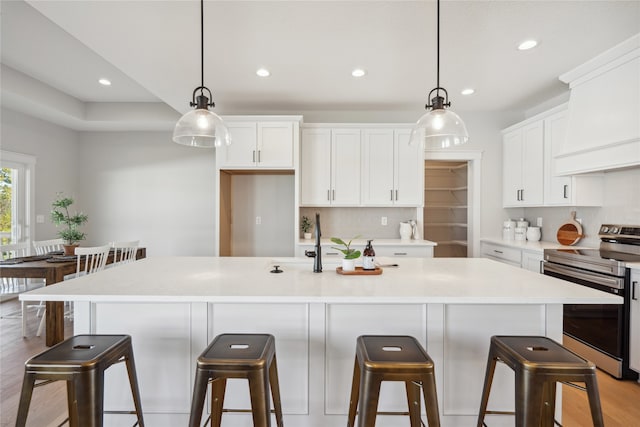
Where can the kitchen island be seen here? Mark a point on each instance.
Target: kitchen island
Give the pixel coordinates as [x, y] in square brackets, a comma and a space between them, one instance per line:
[174, 306]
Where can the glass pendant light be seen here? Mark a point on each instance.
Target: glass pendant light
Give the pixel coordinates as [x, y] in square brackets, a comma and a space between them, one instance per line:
[439, 127]
[201, 127]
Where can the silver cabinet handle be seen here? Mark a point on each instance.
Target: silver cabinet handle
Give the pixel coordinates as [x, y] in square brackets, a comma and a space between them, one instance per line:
[334, 194]
[259, 155]
[254, 156]
[329, 195]
[400, 253]
[497, 251]
[391, 191]
[564, 191]
[634, 285]
[396, 195]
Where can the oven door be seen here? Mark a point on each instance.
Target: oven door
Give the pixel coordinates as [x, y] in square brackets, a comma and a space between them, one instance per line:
[601, 326]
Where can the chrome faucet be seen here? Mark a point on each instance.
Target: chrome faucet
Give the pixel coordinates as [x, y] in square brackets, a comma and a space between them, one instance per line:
[317, 253]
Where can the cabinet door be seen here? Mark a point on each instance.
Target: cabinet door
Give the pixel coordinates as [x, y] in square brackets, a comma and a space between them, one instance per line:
[634, 333]
[345, 167]
[377, 164]
[315, 167]
[557, 188]
[275, 144]
[532, 164]
[531, 261]
[408, 170]
[242, 151]
[511, 168]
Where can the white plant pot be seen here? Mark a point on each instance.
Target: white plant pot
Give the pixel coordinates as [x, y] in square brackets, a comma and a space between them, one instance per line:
[348, 264]
[307, 236]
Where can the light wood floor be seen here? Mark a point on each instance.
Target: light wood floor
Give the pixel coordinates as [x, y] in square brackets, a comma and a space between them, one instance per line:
[620, 399]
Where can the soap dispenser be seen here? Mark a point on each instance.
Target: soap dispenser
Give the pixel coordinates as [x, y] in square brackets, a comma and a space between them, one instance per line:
[368, 257]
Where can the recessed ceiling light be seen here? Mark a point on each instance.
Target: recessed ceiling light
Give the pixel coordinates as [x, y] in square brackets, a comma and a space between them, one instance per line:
[527, 44]
[467, 91]
[263, 72]
[105, 82]
[358, 72]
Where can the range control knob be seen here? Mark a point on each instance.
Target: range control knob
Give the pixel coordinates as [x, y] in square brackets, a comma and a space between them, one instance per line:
[614, 230]
[604, 229]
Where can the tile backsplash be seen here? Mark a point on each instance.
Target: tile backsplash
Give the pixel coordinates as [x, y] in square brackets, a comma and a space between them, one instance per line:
[364, 222]
[621, 206]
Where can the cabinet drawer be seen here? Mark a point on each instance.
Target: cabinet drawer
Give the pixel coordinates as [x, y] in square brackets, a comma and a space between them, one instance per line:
[502, 253]
[404, 251]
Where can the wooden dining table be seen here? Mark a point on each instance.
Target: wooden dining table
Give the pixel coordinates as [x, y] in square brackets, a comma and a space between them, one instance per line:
[51, 272]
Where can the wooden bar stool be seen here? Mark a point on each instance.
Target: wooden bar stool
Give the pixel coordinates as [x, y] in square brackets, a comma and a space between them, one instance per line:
[392, 358]
[538, 363]
[249, 356]
[81, 361]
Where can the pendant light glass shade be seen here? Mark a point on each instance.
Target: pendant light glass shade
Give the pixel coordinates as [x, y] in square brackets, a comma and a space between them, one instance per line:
[201, 128]
[440, 129]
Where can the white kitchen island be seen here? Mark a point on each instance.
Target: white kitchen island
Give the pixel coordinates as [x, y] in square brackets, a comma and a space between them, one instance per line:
[174, 306]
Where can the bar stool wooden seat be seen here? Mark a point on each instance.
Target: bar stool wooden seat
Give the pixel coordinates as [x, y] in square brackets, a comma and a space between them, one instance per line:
[81, 361]
[392, 358]
[538, 363]
[248, 356]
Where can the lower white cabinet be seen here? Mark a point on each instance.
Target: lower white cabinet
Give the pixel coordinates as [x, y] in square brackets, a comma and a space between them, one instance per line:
[399, 250]
[634, 333]
[529, 260]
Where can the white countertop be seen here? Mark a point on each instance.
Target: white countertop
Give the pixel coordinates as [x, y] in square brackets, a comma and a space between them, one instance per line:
[530, 246]
[246, 280]
[375, 242]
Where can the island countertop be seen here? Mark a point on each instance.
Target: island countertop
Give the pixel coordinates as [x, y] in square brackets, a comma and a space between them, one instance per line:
[177, 305]
[248, 280]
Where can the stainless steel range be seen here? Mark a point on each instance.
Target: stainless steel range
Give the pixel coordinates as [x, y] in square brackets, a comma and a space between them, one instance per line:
[599, 332]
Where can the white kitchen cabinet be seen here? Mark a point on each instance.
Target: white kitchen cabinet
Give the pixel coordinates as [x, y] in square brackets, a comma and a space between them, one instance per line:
[504, 254]
[523, 161]
[330, 167]
[531, 261]
[580, 190]
[258, 144]
[634, 332]
[392, 168]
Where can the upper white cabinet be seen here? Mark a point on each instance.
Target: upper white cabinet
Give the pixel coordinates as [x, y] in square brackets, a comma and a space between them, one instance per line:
[530, 149]
[330, 167]
[392, 169]
[523, 159]
[634, 333]
[581, 190]
[260, 144]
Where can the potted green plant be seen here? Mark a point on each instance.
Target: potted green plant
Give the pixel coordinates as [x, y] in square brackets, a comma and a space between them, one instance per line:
[305, 226]
[350, 254]
[61, 217]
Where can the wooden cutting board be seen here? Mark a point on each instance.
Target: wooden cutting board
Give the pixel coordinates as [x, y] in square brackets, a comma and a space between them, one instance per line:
[570, 232]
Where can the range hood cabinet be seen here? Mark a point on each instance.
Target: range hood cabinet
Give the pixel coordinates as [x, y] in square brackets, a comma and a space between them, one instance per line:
[603, 131]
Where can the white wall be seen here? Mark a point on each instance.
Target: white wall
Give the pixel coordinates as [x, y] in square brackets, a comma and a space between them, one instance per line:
[142, 186]
[57, 161]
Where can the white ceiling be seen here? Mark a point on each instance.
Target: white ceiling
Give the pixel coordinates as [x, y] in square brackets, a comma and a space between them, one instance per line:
[151, 50]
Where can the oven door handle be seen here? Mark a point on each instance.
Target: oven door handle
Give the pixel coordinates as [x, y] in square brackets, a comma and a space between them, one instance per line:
[609, 282]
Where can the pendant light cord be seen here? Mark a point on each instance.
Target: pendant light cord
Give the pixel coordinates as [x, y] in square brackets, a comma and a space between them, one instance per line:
[201, 46]
[438, 48]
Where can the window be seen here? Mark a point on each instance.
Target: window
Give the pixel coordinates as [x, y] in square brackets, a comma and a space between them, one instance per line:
[16, 193]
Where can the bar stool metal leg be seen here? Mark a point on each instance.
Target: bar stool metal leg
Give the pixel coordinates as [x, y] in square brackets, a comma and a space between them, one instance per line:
[259, 393]
[413, 401]
[355, 394]
[275, 391]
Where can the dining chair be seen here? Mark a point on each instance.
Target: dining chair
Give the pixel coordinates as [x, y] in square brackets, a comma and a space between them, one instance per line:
[95, 259]
[41, 247]
[124, 252]
[13, 250]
